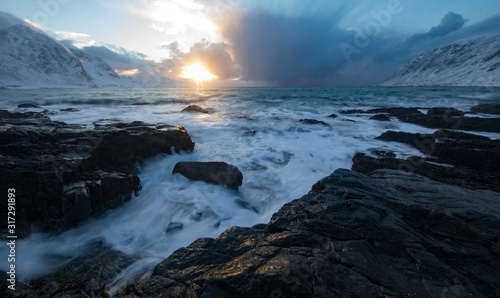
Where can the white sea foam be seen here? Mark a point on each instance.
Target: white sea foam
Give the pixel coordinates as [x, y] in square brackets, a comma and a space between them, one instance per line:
[257, 130]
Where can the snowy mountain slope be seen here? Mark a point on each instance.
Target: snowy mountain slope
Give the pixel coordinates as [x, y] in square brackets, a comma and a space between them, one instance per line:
[100, 72]
[30, 58]
[474, 62]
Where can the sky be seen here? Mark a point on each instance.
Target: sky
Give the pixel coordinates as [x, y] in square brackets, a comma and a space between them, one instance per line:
[257, 42]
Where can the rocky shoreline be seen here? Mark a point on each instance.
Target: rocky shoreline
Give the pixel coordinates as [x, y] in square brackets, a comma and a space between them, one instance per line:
[66, 173]
[417, 227]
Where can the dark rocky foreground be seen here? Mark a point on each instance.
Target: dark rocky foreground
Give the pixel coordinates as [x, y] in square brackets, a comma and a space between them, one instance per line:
[65, 173]
[392, 234]
[404, 228]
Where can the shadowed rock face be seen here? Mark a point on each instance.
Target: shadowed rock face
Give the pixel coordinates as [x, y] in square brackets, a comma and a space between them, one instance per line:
[64, 173]
[213, 172]
[472, 161]
[395, 234]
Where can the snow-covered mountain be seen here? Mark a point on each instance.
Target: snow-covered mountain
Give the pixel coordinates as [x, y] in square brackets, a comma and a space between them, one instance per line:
[30, 58]
[474, 62]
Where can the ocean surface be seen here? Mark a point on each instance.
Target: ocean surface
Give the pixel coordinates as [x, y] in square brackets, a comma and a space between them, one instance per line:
[255, 129]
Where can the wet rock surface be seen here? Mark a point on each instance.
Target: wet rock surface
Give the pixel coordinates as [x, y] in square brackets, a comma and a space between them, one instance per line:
[486, 109]
[392, 234]
[64, 173]
[313, 122]
[458, 158]
[195, 108]
[447, 118]
[213, 172]
[380, 117]
[89, 275]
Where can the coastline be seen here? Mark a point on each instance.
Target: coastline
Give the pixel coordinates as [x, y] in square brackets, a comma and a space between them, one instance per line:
[279, 250]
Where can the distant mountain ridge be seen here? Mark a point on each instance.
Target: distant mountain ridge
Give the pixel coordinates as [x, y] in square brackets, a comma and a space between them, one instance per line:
[474, 62]
[30, 58]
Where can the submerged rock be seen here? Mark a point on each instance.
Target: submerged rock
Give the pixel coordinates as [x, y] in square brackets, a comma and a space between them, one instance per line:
[380, 117]
[28, 106]
[195, 108]
[65, 173]
[313, 122]
[213, 172]
[393, 234]
[69, 110]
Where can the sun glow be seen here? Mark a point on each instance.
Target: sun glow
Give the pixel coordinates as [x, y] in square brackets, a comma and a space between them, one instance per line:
[197, 72]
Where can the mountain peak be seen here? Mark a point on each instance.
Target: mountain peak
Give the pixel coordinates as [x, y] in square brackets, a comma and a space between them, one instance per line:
[473, 62]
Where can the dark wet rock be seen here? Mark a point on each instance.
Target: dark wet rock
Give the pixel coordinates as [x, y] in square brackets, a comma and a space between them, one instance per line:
[393, 234]
[89, 275]
[380, 117]
[195, 108]
[486, 109]
[70, 110]
[383, 154]
[455, 175]
[450, 119]
[333, 116]
[28, 106]
[64, 173]
[456, 148]
[213, 172]
[313, 122]
[447, 118]
[175, 226]
[445, 112]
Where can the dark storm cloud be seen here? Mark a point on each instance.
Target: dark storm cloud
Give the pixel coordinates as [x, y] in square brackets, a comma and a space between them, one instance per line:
[451, 22]
[284, 50]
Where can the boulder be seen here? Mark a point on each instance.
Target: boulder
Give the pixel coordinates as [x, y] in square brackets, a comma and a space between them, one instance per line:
[486, 109]
[195, 108]
[65, 173]
[392, 234]
[69, 110]
[333, 116]
[213, 172]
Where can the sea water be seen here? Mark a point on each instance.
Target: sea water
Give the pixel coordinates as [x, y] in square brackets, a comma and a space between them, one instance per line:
[255, 129]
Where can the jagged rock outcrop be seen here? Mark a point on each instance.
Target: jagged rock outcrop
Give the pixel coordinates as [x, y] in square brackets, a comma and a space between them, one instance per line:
[391, 234]
[64, 173]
